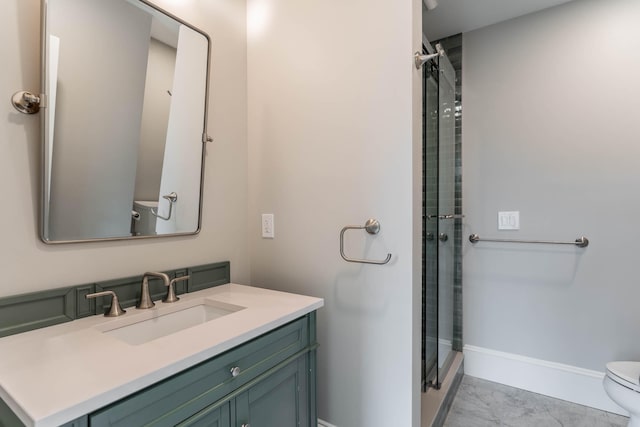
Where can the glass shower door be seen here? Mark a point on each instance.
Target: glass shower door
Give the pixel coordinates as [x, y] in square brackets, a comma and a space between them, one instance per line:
[438, 219]
[430, 226]
[446, 210]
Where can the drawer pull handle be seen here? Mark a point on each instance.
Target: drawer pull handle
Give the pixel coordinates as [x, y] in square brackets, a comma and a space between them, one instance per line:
[235, 371]
[245, 425]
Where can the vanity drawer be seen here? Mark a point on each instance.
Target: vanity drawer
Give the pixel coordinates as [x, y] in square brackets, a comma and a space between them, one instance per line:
[176, 398]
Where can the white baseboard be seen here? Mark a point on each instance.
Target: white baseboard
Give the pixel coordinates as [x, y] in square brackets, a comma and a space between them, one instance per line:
[570, 383]
[322, 423]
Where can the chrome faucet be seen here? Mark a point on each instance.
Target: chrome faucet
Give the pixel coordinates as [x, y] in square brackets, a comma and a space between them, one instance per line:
[145, 296]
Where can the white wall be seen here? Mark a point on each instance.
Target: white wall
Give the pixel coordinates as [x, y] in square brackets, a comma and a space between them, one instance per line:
[332, 93]
[161, 66]
[551, 129]
[29, 265]
[180, 173]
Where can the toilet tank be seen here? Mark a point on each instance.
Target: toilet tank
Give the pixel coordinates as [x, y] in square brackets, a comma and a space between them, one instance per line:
[145, 225]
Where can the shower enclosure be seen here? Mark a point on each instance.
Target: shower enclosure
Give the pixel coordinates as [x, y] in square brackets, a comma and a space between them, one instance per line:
[440, 216]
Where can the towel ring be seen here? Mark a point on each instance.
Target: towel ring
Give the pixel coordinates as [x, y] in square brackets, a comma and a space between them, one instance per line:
[372, 226]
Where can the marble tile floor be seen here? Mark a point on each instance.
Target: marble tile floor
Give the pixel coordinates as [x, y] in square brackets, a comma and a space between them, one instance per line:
[481, 403]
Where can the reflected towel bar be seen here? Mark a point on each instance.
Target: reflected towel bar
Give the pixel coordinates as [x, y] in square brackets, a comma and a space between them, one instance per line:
[372, 226]
[581, 242]
[172, 198]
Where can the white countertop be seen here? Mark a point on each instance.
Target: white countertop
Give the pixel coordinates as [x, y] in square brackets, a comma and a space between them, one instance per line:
[54, 375]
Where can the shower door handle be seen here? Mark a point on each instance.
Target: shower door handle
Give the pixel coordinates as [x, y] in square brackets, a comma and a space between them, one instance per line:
[448, 216]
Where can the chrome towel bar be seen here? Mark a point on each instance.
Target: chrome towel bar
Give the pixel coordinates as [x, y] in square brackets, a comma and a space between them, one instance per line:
[372, 226]
[172, 198]
[581, 242]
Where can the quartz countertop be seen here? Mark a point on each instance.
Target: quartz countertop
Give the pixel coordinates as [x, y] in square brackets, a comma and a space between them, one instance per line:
[54, 375]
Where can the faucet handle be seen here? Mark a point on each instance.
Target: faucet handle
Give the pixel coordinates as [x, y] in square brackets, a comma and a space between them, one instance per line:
[171, 291]
[116, 309]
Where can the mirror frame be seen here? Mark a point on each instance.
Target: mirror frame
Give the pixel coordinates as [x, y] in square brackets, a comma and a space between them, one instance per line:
[44, 122]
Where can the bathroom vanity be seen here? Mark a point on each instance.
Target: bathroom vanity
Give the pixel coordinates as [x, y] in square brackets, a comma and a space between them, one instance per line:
[231, 355]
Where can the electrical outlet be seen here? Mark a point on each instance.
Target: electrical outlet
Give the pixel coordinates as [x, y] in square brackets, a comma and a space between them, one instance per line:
[268, 231]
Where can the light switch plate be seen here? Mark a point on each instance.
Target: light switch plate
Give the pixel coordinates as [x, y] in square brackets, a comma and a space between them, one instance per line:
[267, 226]
[509, 220]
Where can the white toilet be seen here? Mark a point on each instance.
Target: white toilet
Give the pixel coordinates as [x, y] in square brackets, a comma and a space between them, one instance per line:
[622, 384]
[145, 225]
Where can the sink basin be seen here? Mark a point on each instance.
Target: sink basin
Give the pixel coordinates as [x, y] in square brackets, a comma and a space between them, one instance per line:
[161, 325]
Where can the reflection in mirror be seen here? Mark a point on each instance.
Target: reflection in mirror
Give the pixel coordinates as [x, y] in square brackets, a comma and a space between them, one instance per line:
[126, 86]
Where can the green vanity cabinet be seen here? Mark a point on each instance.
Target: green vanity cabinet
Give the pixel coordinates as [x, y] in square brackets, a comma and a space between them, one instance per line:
[266, 382]
[273, 373]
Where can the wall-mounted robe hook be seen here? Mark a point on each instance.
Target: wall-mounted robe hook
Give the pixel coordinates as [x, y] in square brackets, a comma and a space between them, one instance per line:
[26, 102]
[372, 226]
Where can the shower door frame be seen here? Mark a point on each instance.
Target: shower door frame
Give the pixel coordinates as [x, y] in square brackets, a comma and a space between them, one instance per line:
[433, 372]
[429, 363]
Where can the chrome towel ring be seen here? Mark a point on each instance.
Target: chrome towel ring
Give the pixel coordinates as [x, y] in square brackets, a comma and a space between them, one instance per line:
[372, 226]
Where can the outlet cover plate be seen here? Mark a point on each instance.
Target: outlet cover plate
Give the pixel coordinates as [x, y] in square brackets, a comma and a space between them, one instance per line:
[509, 220]
[267, 226]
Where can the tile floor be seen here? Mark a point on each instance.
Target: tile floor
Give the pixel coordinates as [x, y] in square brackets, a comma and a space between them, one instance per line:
[481, 403]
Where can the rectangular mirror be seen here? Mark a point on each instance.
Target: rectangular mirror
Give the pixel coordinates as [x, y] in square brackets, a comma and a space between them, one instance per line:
[124, 126]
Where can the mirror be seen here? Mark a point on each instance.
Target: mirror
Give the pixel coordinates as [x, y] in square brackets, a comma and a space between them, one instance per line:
[124, 126]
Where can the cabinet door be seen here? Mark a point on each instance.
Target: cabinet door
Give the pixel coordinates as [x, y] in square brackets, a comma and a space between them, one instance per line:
[279, 400]
[218, 415]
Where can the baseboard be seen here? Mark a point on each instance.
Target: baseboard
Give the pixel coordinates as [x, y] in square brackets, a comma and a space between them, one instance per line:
[322, 423]
[570, 383]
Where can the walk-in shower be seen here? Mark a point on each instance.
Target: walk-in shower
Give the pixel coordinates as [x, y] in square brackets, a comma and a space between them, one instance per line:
[441, 214]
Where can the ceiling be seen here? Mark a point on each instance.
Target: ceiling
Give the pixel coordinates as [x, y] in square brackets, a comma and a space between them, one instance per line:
[460, 16]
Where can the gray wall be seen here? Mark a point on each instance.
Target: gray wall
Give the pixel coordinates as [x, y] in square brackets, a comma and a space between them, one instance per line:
[95, 149]
[28, 264]
[551, 129]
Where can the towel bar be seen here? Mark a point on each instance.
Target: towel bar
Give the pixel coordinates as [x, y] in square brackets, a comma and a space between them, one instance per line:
[581, 242]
